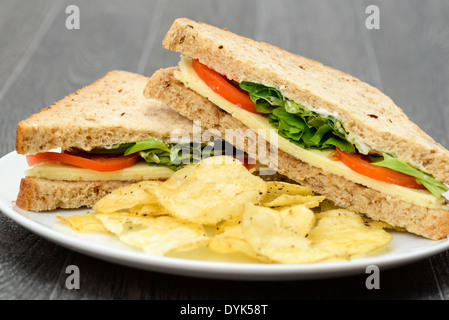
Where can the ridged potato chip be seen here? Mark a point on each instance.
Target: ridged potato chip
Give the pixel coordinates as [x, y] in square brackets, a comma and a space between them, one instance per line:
[278, 188]
[288, 200]
[84, 222]
[344, 233]
[281, 194]
[229, 238]
[148, 209]
[327, 205]
[263, 229]
[156, 235]
[298, 219]
[381, 224]
[213, 190]
[128, 196]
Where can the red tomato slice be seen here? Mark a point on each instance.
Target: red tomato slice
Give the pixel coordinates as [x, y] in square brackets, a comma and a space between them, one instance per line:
[94, 162]
[248, 162]
[223, 87]
[361, 164]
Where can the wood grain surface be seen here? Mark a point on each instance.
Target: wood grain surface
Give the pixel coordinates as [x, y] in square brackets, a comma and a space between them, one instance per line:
[41, 61]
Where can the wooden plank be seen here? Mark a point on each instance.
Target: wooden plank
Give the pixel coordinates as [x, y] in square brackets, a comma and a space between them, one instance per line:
[413, 56]
[110, 37]
[28, 277]
[128, 283]
[18, 21]
[325, 31]
[237, 16]
[440, 268]
[30, 24]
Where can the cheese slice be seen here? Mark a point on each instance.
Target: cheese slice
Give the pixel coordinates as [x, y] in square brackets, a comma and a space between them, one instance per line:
[317, 158]
[57, 171]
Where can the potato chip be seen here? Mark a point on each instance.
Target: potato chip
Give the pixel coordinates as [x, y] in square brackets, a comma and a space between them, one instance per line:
[327, 205]
[278, 188]
[228, 238]
[263, 229]
[285, 194]
[344, 233]
[84, 222]
[381, 224]
[156, 235]
[283, 187]
[287, 200]
[231, 240]
[298, 219]
[148, 209]
[211, 191]
[223, 225]
[126, 197]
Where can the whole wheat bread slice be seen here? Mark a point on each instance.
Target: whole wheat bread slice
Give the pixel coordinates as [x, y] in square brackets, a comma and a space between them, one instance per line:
[428, 222]
[367, 114]
[111, 110]
[44, 195]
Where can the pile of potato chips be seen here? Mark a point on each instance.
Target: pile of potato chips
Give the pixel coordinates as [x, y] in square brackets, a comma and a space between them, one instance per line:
[270, 221]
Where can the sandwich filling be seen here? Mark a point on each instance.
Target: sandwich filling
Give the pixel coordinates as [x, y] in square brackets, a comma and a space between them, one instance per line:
[317, 138]
[143, 160]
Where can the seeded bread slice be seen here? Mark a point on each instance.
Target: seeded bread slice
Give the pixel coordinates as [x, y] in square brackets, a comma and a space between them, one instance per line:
[111, 110]
[368, 115]
[432, 223]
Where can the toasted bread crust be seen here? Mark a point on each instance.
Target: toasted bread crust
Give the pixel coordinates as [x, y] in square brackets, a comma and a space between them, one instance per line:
[367, 114]
[43, 195]
[111, 110]
[430, 223]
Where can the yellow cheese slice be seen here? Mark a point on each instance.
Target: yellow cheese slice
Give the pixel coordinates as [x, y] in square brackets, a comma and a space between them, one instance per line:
[317, 158]
[56, 171]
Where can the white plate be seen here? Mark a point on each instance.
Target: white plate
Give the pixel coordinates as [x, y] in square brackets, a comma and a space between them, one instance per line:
[405, 248]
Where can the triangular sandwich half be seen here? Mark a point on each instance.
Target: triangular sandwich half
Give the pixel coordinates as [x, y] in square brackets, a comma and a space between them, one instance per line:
[100, 123]
[334, 133]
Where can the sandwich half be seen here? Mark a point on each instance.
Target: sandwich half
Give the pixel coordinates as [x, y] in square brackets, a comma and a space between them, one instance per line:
[99, 138]
[334, 133]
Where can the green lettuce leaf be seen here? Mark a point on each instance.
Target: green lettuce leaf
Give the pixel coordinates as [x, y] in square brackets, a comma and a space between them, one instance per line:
[174, 155]
[150, 144]
[435, 187]
[311, 130]
[295, 122]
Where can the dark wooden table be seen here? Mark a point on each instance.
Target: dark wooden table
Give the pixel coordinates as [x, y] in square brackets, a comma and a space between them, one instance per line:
[41, 61]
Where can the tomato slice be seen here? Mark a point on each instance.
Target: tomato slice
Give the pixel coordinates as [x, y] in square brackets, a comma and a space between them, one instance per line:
[248, 162]
[361, 164]
[94, 162]
[223, 87]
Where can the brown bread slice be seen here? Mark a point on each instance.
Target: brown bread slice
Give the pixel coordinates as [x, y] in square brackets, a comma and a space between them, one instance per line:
[43, 195]
[111, 110]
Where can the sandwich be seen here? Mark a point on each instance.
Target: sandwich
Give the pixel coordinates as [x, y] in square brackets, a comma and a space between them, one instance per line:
[99, 138]
[334, 133]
